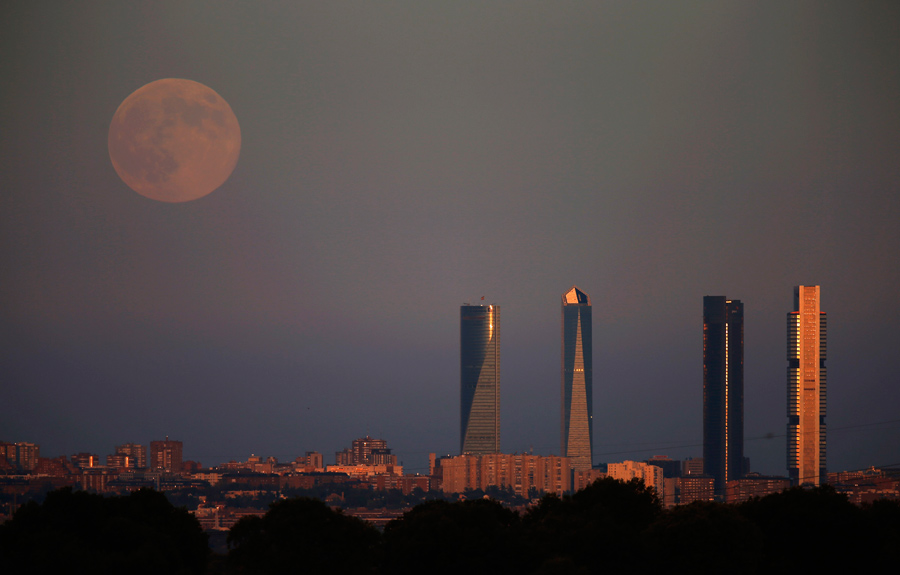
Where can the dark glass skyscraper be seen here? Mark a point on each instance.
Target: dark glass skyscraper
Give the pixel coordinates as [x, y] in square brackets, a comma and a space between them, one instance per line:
[723, 390]
[806, 345]
[479, 345]
[577, 375]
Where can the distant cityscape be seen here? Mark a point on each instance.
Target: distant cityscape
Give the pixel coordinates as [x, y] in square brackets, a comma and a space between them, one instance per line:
[219, 495]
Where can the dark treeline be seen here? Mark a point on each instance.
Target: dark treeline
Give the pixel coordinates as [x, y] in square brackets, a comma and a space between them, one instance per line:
[611, 525]
[81, 532]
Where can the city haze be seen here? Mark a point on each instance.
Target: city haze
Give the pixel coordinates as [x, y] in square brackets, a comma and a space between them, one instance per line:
[400, 159]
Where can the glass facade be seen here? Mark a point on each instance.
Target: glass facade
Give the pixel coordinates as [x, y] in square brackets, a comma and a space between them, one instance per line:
[806, 387]
[577, 376]
[479, 344]
[723, 390]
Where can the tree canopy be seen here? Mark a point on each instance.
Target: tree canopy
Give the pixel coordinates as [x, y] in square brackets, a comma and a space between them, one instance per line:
[77, 531]
[609, 526]
[303, 534]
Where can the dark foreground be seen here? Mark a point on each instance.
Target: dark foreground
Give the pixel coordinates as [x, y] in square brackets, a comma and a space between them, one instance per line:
[608, 526]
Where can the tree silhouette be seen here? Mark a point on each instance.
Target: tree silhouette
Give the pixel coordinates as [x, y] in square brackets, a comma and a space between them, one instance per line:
[882, 536]
[453, 537]
[592, 530]
[83, 532]
[303, 534]
[806, 529]
[709, 537]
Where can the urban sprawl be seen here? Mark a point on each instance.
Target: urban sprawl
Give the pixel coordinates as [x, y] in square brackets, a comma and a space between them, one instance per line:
[366, 480]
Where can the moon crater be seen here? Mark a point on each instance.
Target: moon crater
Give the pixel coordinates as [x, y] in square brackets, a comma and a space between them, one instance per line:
[174, 140]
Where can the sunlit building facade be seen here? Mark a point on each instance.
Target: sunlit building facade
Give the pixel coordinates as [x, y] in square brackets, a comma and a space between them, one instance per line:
[479, 343]
[754, 485]
[651, 475]
[806, 387]
[576, 374]
[723, 390]
[523, 473]
[581, 479]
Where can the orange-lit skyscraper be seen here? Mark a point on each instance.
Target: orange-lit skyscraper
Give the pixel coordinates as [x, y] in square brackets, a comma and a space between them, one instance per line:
[479, 345]
[806, 339]
[723, 390]
[577, 376]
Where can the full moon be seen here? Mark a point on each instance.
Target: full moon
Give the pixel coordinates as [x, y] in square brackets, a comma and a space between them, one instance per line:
[174, 140]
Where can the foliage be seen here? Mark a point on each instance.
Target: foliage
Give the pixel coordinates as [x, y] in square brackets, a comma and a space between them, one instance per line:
[706, 536]
[187, 498]
[305, 534]
[597, 526]
[882, 521]
[453, 537]
[355, 496]
[609, 526]
[806, 529]
[505, 495]
[83, 532]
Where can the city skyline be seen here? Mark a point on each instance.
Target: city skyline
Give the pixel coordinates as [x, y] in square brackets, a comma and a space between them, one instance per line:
[723, 365]
[722, 445]
[400, 159]
[576, 379]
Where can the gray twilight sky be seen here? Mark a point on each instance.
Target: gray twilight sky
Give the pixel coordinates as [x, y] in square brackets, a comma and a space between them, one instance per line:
[402, 158]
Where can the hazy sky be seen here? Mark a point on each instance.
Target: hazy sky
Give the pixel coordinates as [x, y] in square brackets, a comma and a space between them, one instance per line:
[402, 158]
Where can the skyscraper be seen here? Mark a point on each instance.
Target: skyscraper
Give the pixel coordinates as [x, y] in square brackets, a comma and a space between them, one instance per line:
[479, 345]
[806, 339]
[27, 454]
[577, 371]
[366, 451]
[166, 455]
[723, 390]
[136, 452]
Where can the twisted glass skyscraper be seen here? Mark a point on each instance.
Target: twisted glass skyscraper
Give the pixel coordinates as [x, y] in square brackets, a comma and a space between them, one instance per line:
[577, 375]
[479, 344]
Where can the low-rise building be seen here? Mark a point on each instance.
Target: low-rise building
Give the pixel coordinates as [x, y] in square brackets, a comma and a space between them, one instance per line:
[581, 479]
[208, 475]
[754, 485]
[312, 461]
[651, 475]
[692, 466]
[695, 487]
[521, 473]
[866, 486]
[365, 471]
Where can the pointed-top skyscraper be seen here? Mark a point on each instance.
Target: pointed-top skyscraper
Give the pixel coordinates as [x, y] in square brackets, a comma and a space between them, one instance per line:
[577, 375]
[806, 339]
[479, 346]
